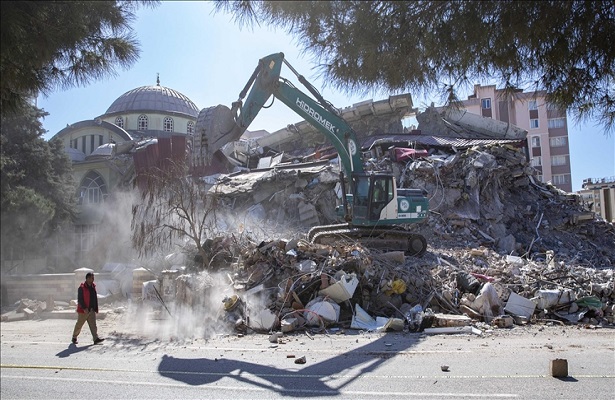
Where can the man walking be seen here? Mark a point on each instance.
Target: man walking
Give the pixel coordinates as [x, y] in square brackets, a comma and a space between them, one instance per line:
[87, 307]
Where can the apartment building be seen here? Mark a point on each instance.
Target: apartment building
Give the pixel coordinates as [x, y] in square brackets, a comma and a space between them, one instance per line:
[599, 196]
[546, 125]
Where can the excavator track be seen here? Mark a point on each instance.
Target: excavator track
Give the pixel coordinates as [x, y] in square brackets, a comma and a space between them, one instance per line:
[389, 239]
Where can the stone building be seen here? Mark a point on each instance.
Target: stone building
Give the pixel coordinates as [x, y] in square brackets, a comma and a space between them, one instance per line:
[101, 152]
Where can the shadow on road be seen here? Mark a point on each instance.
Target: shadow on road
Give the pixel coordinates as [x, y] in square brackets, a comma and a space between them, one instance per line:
[73, 349]
[325, 378]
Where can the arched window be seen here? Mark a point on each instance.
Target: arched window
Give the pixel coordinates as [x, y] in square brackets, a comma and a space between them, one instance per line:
[93, 189]
[168, 124]
[190, 129]
[142, 123]
[119, 121]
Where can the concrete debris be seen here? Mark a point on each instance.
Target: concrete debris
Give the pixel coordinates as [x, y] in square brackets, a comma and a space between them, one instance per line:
[504, 321]
[520, 306]
[460, 329]
[315, 288]
[502, 246]
[48, 309]
[321, 311]
[558, 368]
[343, 287]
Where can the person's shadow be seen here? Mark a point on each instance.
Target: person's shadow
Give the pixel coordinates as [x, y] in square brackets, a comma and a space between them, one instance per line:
[313, 380]
[73, 349]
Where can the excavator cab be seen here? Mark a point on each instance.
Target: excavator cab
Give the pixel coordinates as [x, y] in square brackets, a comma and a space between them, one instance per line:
[372, 194]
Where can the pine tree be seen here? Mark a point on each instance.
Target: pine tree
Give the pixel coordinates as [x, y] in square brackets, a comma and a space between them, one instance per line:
[563, 47]
[37, 192]
[49, 45]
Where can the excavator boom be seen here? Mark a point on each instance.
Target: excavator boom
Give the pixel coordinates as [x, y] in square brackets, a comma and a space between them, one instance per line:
[375, 208]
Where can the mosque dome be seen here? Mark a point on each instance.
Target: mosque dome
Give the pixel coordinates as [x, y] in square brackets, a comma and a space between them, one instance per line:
[154, 98]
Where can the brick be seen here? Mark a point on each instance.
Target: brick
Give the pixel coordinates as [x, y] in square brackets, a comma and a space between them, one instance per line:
[558, 368]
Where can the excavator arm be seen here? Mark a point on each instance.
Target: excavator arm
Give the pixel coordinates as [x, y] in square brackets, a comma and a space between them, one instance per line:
[266, 82]
[374, 208]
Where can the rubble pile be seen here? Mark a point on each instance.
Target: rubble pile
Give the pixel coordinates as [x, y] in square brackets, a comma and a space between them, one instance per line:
[307, 286]
[503, 249]
[501, 244]
[481, 195]
[488, 196]
[33, 308]
[296, 198]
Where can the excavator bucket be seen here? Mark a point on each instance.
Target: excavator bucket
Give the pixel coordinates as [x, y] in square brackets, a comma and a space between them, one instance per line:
[215, 127]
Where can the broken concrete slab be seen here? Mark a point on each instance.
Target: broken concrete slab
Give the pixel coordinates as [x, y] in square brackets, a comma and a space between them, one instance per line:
[519, 306]
[447, 320]
[13, 316]
[264, 320]
[343, 288]
[452, 330]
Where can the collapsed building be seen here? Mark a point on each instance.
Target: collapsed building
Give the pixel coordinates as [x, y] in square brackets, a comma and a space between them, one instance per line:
[500, 242]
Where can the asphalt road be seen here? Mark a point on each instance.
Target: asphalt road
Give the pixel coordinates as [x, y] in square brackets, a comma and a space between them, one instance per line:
[38, 362]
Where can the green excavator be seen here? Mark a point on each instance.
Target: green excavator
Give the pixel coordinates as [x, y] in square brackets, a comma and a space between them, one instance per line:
[375, 211]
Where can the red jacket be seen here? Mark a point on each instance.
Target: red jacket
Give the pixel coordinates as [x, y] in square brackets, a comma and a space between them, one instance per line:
[84, 298]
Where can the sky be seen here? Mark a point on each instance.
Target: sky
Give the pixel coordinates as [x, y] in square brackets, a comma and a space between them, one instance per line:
[209, 58]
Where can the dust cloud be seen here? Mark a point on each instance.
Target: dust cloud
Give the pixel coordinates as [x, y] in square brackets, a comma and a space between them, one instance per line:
[205, 318]
[190, 302]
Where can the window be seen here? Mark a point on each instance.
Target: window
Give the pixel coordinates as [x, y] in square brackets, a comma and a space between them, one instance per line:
[557, 123]
[558, 141]
[532, 105]
[560, 179]
[119, 121]
[536, 161]
[190, 129]
[92, 189]
[535, 141]
[168, 124]
[142, 123]
[534, 123]
[85, 239]
[558, 160]
[381, 196]
[485, 103]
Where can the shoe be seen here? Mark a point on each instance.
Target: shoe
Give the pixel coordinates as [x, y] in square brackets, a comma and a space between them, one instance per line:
[98, 340]
[74, 340]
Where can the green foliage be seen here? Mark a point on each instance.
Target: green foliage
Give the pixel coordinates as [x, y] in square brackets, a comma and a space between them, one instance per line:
[37, 193]
[563, 47]
[48, 45]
